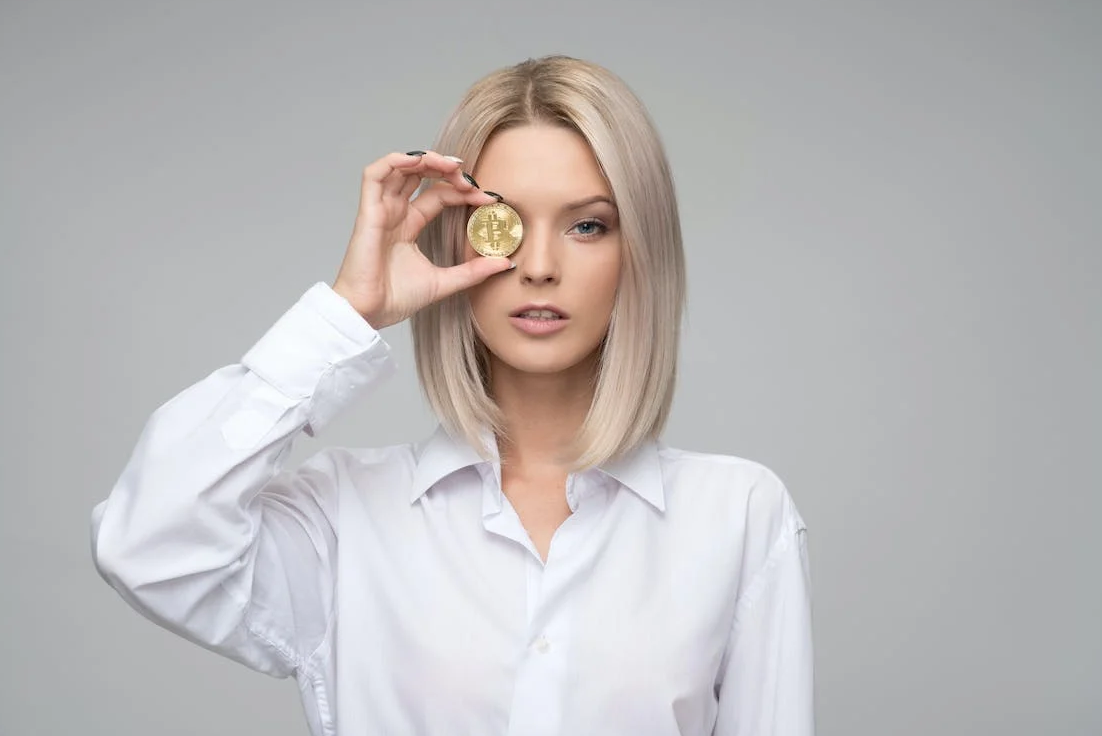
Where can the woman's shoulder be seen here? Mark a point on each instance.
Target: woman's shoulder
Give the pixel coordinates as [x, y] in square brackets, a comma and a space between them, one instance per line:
[732, 481]
[715, 466]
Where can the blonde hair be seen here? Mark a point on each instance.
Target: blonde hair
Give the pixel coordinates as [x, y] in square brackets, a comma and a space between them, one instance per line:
[638, 358]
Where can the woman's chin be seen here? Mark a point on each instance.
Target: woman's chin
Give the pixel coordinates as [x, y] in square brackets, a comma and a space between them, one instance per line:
[544, 360]
[536, 365]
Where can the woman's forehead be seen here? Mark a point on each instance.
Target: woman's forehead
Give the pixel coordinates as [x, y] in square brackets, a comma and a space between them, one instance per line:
[540, 163]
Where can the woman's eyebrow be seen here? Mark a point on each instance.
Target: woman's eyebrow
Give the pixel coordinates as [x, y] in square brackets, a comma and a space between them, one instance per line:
[568, 207]
[588, 200]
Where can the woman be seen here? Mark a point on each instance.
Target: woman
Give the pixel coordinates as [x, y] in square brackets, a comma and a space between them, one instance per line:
[543, 563]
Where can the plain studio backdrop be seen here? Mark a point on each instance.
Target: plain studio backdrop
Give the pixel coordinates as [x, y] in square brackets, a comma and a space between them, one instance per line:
[892, 223]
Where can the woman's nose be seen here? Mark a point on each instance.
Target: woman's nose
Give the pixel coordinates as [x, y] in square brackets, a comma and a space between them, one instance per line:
[537, 258]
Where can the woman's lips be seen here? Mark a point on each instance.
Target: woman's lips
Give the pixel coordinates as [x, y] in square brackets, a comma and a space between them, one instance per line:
[534, 326]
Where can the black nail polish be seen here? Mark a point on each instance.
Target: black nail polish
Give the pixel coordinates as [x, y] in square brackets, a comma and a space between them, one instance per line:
[415, 153]
[494, 194]
[470, 178]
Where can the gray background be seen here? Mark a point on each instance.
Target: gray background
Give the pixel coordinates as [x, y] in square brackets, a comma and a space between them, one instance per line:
[892, 222]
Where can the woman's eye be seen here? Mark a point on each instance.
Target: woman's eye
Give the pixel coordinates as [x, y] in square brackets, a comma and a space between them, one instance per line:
[590, 228]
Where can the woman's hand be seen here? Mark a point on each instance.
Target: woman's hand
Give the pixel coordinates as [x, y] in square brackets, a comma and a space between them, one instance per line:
[384, 275]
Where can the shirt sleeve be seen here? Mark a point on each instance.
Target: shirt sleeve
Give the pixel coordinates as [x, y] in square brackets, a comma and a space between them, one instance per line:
[205, 533]
[767, 680]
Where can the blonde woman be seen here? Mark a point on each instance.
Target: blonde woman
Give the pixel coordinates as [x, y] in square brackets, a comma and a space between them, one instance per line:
[543, 563]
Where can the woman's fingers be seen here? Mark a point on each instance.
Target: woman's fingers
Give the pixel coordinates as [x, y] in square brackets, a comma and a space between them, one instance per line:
[409, 186]
[430, 165]
[375, 173]
[469, 273]
[436, 165]
[433, 200]
[377, 277]
[394, 182]
[371, 212]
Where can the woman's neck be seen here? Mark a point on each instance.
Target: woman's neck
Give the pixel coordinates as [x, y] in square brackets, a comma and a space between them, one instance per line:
[543, 412]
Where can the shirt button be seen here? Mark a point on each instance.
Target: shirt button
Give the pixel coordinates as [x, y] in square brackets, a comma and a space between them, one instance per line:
[542, 645]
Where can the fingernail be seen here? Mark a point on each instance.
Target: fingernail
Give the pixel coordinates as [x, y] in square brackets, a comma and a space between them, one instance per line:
[512, 264]
[494, 194]
[415, 153]
[454, 158]
[470, 178]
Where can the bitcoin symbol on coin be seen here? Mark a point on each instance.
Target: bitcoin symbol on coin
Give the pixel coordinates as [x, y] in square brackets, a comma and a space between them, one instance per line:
[495, 230]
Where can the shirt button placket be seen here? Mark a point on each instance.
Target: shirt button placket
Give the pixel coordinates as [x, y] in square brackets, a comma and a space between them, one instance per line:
[537, 695]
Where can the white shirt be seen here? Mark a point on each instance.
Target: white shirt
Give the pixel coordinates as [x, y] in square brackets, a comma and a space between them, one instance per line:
[675, 599]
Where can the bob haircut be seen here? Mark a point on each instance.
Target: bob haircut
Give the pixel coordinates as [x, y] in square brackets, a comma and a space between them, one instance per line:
[637, 365]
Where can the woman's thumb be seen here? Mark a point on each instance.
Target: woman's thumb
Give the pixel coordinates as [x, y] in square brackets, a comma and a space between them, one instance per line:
[469, 273]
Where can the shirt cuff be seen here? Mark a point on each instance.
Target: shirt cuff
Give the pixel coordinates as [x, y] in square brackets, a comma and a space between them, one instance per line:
[322, 351]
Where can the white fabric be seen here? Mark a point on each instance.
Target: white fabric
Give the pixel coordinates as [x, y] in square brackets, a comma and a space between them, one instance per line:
[676, 598]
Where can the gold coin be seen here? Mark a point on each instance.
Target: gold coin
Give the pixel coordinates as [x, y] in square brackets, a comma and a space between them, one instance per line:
[495, 230]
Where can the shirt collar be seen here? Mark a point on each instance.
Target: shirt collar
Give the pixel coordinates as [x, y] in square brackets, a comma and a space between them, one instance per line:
[639, 470]
[441, 455]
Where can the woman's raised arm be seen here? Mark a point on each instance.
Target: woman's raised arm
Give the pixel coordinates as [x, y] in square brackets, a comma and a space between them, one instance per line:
[205, 532]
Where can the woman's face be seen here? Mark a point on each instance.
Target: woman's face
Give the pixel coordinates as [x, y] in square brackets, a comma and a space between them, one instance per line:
[568, 259]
